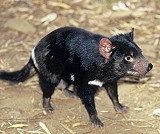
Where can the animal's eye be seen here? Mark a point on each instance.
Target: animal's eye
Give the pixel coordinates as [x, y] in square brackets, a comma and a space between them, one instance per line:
[128, 58]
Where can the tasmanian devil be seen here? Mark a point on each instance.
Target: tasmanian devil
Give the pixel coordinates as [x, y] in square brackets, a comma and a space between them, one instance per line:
[87, 60]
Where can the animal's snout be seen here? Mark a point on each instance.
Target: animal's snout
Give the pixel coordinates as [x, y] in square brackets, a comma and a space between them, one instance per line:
[150, 66]
[141, 67]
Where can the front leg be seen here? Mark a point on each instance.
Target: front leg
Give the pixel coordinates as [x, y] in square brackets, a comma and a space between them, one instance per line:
[111, 89]
[87, 96]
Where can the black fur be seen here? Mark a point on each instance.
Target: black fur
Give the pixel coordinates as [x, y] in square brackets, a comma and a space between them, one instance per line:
[73, 51]
[20, 75]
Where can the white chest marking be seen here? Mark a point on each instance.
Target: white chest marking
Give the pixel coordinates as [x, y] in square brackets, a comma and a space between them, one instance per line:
[93, 82]
[34, 58]
[96, 83]
[72, 77]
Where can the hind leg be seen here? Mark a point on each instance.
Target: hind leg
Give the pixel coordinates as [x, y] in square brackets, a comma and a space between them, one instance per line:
[66, 86]
[48, 86]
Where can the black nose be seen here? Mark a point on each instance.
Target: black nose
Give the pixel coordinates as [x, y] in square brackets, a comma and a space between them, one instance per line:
[150, 66]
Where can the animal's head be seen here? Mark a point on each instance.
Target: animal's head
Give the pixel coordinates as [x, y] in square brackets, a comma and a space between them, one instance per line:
[124, 55]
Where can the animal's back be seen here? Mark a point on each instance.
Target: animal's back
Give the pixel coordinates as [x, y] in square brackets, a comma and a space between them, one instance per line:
[68, 47]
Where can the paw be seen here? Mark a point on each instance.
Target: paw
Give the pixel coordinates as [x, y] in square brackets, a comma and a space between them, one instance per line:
[48, 109]
[119, 108]
[47, 106]
[96, 122]
[69, 93]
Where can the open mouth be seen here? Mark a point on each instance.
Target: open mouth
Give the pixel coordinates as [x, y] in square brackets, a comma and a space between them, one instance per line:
[140, 72]
[133, 73]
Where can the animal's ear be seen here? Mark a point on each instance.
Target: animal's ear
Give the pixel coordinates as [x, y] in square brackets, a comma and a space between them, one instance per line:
[130, 34]
[105, 47]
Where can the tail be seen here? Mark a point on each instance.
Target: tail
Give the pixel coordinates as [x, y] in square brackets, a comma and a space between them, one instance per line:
[21, 75]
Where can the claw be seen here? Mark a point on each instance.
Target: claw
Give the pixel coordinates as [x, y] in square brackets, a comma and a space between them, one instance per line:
[47, 106]
[48, 109]
[119, 108]
[96, 122]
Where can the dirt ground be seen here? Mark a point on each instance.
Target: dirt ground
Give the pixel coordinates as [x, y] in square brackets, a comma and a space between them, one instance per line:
[23, 23]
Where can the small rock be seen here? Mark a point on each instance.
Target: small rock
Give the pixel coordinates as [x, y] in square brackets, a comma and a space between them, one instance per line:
[156, 112]
[20, 25]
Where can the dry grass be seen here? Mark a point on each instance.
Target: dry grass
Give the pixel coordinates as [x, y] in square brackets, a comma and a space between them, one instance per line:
[16, 45]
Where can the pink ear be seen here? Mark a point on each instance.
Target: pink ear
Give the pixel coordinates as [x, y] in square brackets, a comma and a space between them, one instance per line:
[105, 47]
